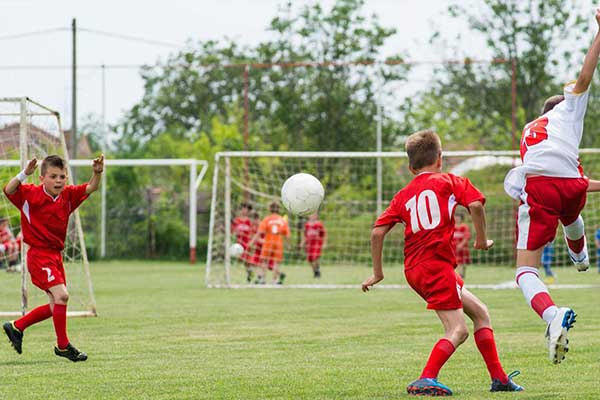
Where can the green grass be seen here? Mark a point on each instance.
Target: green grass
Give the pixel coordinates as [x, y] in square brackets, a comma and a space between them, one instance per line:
[161, 335]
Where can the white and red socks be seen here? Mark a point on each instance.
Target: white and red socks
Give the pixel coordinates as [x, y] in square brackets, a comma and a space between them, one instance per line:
[536, 293]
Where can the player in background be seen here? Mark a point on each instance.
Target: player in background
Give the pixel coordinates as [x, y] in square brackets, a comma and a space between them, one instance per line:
[251, 255]
[315, 240]
[426, 209]
[9, 247]
[462, 236]
[551, 187]
[547, 260]
[45, 211]
[274, 228]
[241, 227]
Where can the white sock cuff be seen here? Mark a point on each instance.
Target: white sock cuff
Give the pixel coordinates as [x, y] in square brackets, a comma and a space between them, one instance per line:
[576, 230]
[525, 270]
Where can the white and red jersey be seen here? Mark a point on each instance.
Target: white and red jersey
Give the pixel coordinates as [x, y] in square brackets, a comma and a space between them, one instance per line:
[44, 219]
[241, 227]
[426, 208]
[314, 232]
[550, 144]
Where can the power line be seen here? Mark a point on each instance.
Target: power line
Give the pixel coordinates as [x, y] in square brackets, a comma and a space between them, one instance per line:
[32, 33]
[130, 38]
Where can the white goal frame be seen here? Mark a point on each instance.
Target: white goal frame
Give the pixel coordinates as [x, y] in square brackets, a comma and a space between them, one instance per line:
[22, 162]
[491, 157]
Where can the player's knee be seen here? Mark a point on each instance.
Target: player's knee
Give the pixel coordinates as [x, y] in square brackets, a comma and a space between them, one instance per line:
[62, 298]
[461, 333]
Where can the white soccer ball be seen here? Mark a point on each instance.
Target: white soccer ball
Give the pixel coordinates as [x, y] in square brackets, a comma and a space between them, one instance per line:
[302, 194]
[236, 250]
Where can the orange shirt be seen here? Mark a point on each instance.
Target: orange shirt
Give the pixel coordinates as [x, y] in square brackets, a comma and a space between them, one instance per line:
[274, 227]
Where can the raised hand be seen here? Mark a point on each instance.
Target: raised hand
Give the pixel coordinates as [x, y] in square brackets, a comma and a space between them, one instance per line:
[31, 166]
[99, 164]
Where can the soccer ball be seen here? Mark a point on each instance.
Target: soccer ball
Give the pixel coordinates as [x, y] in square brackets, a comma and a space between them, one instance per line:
[236, 250]
[302, 194]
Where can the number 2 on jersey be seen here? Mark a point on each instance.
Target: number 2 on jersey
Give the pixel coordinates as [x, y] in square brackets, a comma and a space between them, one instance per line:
[425, 210]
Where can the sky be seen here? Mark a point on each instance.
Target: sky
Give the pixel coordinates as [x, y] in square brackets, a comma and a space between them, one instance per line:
[38, 65]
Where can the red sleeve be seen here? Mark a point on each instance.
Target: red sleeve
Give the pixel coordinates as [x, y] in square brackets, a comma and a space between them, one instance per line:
[18, 197]
[465, 192]
[77, 195]
[322, 231]
[392, 214]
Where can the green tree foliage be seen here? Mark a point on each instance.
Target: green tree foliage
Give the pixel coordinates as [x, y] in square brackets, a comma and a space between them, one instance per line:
[300, 108]
[471, 103]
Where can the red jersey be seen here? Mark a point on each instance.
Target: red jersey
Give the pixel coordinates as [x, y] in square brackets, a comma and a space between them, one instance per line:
[6, 235]
[44, 219]
[426, 208]
[242, 228]
[314, 232]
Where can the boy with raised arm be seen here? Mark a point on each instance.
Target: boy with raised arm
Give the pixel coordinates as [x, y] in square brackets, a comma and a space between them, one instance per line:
[551, 187]
[45, 211]
[426, 208]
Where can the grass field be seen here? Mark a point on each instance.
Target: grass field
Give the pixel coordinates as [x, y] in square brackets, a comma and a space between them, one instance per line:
[161, 335]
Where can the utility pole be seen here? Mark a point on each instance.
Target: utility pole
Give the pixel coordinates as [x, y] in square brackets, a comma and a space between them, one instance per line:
[73, 154]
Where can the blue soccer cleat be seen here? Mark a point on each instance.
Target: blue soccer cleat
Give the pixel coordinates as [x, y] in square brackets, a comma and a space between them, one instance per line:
[509, 386]
[428, 387]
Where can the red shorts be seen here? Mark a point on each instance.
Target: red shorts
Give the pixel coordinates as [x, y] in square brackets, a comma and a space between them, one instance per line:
[313, 251]
[46, 268]
[437, 283]
[463, 256]
[546, 201]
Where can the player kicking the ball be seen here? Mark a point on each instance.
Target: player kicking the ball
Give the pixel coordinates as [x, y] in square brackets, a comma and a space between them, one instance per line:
[426, 208]
[551, 187]
[45, 211]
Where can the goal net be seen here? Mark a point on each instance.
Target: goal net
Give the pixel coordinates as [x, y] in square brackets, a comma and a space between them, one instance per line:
[358, 186]
[29, 129]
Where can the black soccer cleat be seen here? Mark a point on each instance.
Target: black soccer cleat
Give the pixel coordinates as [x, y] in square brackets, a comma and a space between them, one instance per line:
[281, 278]
[71, 353]
[15, 336]
[317, 272]
[509, 386]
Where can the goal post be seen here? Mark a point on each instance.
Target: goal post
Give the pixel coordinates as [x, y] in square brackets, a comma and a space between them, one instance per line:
[352, 199]
[29, 129]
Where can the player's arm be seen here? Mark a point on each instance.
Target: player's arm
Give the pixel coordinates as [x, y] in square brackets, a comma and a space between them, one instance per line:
[594, 186]
[377, 236]
[94, 182]
[590, 62]
[13, 184]
[478, 215]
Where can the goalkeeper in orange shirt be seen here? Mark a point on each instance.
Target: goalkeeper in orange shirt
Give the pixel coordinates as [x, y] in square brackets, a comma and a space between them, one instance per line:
[275, 228]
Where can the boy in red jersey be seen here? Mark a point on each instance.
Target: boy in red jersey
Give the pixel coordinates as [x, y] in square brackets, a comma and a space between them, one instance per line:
[45, 211]
[273, 228]
[315, 239]
[462, 236]
[9, 247]
[426, 208]
[551, 187]
[241, 227]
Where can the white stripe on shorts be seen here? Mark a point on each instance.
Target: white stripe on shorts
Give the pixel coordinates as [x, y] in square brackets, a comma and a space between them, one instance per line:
[523, 222]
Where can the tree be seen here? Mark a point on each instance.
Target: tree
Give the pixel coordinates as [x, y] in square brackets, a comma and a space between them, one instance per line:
[538, 35]
[303, 108]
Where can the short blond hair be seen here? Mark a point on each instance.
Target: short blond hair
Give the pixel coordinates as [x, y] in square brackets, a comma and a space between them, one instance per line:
[423, 149]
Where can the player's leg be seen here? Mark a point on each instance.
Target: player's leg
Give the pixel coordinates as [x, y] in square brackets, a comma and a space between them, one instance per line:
[455, 333]
[63, 348]
[486, 344]
[574, 230]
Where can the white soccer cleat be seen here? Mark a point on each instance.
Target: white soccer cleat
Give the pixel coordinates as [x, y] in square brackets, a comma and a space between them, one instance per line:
[556, 334]
[581, 260]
